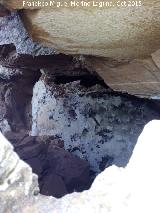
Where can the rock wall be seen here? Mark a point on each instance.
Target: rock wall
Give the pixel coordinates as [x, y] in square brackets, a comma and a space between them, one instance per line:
[136, 77]
[19, 36]
[94, 124]
[118, 68]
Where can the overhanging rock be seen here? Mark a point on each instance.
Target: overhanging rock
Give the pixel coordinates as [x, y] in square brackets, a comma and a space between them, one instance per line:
[115, 31]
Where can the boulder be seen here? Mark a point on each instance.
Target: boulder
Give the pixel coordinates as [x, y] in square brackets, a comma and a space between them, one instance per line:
[118, 33]
[115, 30]
[136, 77]
[91, 121]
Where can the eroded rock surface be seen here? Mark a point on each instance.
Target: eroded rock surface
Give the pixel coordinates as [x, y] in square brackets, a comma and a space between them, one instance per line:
[94, 124]
[116, 31]
[124, 190]
[13, 31]
[136, 77]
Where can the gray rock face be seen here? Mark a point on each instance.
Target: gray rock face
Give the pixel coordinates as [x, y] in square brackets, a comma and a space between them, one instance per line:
[116, 31]
[16, 178]
[15, 98]
[8, 73]
[95, 125]
[12, 31]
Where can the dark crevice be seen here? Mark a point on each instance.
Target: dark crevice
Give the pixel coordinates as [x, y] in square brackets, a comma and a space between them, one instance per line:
[85, 80]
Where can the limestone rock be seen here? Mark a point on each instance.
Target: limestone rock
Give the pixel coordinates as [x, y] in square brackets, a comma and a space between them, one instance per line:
[156, 58]
[13, 31]
[122, 33]
[137, 77]
[88, 120]
[16, 178]
[116, 31]
[140, 77]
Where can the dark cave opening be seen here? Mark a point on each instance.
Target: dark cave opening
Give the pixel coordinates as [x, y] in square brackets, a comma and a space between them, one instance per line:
[87, 80]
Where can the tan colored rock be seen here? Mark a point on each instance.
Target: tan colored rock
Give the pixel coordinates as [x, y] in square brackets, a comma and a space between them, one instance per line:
[156, 58]
[137, 77]
[118, 32]
[112, 32]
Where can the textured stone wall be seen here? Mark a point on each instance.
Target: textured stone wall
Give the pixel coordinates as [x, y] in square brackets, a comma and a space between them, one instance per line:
[116, 32]
[94, 124]
[138, 77]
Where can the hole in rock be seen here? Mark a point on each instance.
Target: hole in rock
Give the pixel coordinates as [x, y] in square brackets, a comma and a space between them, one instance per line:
[77, 127]
[85, 80]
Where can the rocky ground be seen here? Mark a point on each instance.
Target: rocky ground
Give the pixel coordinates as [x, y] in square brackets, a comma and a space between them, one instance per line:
[131, 189]
[61, 118]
